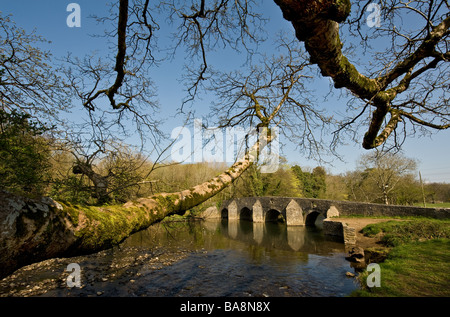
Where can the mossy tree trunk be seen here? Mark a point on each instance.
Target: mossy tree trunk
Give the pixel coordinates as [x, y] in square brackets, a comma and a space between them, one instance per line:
[33, 230]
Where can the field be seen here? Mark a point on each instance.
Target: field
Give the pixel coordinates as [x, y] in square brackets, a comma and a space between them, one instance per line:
[439, 205]
[418, 261]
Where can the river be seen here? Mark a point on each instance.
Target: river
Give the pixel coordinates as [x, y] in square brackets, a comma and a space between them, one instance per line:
[199, 258]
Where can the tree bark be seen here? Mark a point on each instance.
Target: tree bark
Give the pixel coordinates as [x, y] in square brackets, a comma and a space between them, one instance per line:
[100, 182]
[32, 230]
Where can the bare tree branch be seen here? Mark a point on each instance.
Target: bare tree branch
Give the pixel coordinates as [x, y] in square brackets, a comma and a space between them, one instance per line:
[419, 56]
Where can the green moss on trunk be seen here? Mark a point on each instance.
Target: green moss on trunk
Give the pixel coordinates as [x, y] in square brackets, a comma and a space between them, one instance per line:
[98, 228]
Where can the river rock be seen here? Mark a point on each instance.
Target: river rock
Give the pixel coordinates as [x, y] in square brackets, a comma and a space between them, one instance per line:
[355, 254]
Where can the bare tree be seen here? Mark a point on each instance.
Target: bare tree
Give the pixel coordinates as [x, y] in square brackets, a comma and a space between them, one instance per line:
[263, 98]
[78, 230]
[203, 26]
[124, 79]
[384, 171]
[133, 31]
[274, 90]
[34, 230]
[28, 84]
[407, 81]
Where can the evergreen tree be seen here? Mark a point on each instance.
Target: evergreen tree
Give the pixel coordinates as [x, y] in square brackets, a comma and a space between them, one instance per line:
[24, 154]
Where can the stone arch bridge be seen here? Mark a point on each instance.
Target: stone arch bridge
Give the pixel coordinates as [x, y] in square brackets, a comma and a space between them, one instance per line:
[308, 211]
[293, 211]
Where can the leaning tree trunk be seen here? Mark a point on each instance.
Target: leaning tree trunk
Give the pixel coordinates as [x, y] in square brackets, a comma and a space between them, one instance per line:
[33, 230]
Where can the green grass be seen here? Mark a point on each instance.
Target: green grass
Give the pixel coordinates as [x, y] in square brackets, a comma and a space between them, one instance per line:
[416, 269]
[383, 217]
[418, 260]
[396, 233]
[438, 205]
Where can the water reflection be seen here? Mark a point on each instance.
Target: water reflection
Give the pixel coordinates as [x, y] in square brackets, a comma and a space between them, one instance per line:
[211, 258]
[279, 236]
[215, 234]
[242, 258]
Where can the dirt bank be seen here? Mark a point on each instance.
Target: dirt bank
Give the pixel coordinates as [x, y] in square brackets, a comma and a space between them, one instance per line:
[359, 223]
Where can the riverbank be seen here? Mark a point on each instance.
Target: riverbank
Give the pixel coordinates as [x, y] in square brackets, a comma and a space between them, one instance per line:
[417, 269]
[416, 251]
[359, 223]
[114, 266]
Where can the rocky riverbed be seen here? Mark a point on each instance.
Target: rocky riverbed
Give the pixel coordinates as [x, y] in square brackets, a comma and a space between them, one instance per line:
[99, 272]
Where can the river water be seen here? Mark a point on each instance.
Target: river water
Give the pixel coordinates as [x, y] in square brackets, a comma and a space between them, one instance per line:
[200, 258]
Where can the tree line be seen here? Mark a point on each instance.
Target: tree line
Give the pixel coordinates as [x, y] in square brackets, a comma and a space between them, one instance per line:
[389, 179]
[32, 163]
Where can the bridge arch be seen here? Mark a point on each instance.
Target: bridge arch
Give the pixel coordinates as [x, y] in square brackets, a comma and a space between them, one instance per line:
[273, 215]
[246, 214]
[224, 213]
[314, 218]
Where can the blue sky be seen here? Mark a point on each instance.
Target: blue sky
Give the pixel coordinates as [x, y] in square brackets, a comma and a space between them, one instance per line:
[48, 17]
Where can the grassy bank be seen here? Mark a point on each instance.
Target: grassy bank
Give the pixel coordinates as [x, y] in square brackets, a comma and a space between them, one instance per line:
[396, 233]
[418, 262]
[437, 205]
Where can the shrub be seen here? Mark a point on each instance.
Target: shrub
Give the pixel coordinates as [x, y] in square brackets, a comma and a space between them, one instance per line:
[24, 154]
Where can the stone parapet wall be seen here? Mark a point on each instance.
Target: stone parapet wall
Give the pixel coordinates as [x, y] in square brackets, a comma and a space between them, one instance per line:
[344, 208]
[348, 208]
[349, 234]
[339, 229]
